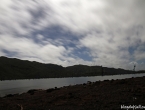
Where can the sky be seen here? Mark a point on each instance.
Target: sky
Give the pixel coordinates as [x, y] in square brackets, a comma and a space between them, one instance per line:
[110, 33]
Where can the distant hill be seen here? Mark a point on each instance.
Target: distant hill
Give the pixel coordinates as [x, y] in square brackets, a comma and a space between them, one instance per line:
[12, 68]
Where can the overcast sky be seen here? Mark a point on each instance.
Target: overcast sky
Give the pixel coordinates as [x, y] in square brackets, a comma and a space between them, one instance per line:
[68, 32]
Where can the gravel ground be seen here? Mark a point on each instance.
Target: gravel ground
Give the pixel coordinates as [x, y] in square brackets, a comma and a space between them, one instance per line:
[100, 95]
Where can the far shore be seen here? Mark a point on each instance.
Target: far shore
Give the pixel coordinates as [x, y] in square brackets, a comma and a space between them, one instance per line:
[69, 76]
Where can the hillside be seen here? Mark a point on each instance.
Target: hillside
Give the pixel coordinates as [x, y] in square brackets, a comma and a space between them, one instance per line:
[12, 68]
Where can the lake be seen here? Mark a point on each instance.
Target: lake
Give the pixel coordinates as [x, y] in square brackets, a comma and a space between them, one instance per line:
[20, 86]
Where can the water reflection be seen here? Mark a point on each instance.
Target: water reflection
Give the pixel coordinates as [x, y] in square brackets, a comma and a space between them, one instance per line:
[19, 86]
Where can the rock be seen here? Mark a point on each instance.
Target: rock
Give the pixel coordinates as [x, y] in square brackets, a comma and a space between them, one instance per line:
[32, 91]
[9, 95]
[50, 90]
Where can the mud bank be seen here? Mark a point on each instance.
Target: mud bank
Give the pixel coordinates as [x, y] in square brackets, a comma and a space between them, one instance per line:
[99, 95]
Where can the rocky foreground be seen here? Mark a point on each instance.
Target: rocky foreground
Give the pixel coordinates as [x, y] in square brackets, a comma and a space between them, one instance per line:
[100, 95]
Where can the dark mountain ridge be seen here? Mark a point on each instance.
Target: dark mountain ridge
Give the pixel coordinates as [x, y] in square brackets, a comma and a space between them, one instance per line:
[12, 68]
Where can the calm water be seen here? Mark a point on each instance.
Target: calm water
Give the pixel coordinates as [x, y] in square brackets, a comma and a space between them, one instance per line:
[20, 86]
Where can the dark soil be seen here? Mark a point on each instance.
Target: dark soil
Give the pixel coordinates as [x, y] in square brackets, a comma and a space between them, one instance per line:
[100, 95]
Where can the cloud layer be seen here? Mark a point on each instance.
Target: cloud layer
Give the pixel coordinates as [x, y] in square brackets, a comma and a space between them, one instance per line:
[109, 33]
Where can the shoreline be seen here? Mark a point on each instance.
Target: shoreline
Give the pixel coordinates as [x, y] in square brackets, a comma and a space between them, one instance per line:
[107, 94]
[72, 76]
[74, 81]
